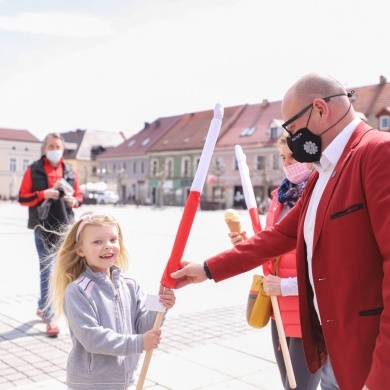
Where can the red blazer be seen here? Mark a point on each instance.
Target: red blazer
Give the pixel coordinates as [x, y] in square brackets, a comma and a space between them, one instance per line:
[351, 264]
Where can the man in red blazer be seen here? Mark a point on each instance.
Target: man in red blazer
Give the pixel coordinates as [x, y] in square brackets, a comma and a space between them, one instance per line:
[340, 230]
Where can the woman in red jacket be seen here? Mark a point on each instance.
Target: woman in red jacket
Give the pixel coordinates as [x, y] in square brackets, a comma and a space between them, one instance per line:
[280, 274]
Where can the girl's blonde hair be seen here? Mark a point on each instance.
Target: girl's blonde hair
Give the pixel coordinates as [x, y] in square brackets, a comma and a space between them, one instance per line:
[282, 140]
[68, 265]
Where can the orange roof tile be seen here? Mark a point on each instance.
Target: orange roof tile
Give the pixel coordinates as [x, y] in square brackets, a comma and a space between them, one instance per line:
[17, 135]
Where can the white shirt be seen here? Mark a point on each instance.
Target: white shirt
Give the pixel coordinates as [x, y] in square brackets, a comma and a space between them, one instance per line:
[329, 159]
[288, 286]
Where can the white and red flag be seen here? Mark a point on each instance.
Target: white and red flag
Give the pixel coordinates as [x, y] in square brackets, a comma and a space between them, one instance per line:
[193, 199]
[247, 188]
[185, 225]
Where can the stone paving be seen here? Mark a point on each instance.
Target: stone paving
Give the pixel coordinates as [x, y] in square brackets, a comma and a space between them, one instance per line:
[29, 357]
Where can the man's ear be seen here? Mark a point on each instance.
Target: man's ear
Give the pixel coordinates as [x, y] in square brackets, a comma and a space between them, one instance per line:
[321, 107]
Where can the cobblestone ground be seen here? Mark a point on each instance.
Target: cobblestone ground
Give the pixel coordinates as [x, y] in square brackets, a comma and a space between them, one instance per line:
[28, 356]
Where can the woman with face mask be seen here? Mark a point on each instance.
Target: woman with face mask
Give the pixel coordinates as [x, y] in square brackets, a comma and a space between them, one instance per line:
[281, 280]
[280, 274]
[50, 189]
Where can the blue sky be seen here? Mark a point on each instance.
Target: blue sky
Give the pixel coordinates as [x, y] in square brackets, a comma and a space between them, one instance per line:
[112, 65]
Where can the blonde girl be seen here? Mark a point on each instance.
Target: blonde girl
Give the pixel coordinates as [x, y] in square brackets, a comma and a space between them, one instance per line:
[109, 325]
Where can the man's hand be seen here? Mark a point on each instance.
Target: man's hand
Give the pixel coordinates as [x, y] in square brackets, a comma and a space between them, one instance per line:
[189, 273]
[51, 193]
[70, 201]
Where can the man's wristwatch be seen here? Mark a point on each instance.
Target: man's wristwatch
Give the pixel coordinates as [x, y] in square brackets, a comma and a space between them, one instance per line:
[207, 271]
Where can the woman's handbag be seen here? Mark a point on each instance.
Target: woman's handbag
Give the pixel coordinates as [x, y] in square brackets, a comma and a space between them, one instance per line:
[259, 306]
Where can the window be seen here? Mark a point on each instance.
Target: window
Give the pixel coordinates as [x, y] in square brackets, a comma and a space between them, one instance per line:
[185, 167]
[384, 122]
[219, 167]
[169, 167]
[12, 164]
[260, 164]
[135, 167]
[142, 167]
[25, 164]
[275, 161]
[235, 164]
[274, 132]
[154, 167]
[248, 131]
[196, 164]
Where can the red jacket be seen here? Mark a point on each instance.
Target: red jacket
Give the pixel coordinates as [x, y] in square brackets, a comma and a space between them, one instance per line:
[351, 264]
[287, 267]
[31, 193]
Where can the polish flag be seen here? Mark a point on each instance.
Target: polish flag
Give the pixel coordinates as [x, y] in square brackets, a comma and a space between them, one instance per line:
[247, 187]
[193, 199]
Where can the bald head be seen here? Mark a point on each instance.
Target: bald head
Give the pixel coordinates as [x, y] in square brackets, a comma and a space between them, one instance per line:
[320, 103]
[314, 85]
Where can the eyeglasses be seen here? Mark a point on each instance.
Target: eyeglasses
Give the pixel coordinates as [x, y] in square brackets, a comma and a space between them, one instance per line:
[300, 113]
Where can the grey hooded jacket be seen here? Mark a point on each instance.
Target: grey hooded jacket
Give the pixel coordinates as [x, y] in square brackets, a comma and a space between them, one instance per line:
[106, 320]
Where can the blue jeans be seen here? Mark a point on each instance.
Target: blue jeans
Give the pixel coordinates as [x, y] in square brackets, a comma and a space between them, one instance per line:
[46, 259]
[328, 380]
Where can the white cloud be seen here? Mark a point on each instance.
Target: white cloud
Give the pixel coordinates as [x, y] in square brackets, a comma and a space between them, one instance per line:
[57, 24]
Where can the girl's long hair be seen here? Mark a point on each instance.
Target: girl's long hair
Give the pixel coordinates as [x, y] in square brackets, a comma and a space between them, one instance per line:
[68, 265]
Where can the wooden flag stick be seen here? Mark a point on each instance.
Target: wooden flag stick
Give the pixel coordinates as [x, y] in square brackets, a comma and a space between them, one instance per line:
[148, 355]
[254, 214]
[283, 342]
[189, 212]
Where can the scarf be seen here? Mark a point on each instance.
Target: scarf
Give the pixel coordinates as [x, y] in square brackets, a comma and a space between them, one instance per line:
[289, 193]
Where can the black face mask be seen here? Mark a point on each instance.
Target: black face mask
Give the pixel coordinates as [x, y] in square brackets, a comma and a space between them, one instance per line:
[305, 145]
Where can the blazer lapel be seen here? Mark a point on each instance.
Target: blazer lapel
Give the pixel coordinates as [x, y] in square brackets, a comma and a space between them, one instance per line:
[323, 205]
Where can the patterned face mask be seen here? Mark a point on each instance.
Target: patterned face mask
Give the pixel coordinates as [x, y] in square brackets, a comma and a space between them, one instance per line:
[297, 173]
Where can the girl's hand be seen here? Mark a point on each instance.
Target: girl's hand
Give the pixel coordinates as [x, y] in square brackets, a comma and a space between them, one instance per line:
[167, 297]
[271, 285]
[151, 339]
[236, 237]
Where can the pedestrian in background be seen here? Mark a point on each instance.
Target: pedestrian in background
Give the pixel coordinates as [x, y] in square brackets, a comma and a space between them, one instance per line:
[340, 230]
[109, 324]
[280, 275]
[50, 189]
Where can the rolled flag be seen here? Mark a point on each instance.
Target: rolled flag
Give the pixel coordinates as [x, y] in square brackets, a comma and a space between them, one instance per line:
[249, 195]
[193, 199]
